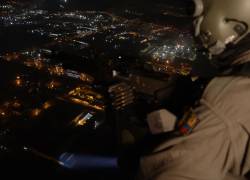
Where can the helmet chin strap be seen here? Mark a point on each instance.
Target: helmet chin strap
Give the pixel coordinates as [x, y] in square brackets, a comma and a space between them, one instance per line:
[242, 58]
[218, 48]
[233, 54]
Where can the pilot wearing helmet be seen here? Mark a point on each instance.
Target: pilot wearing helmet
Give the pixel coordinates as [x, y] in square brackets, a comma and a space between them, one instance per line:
[213, 141]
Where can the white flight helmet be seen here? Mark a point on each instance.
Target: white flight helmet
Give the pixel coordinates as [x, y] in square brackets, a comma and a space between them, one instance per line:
[221, 22]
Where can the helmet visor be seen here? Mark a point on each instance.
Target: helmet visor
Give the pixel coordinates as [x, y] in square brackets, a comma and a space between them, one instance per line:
[199, 8]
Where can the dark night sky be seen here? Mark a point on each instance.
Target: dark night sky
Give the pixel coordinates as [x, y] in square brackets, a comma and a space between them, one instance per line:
[106, 4]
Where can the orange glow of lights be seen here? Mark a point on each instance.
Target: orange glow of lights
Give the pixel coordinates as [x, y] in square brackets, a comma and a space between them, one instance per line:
[86, 103]
[36, 112]
[18, 81]
[38, 64]
[53, 84]
[11, 56]
[2, 113]
[85, 77]
[57, 70]
[47, 105]
[16, 104]
[81, 122]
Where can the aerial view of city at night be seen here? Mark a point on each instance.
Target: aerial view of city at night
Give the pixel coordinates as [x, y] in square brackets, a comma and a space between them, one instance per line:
[89, 89]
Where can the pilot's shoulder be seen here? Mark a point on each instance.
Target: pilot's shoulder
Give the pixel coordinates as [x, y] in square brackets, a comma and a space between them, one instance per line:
[228, 90]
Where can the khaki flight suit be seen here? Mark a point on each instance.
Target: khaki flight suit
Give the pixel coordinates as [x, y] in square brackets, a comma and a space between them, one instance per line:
[219, 146]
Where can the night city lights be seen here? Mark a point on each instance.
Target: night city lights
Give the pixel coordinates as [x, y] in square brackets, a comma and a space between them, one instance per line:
[77, 80]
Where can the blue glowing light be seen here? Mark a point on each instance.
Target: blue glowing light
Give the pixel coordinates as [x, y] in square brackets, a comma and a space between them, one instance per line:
[87, 162]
